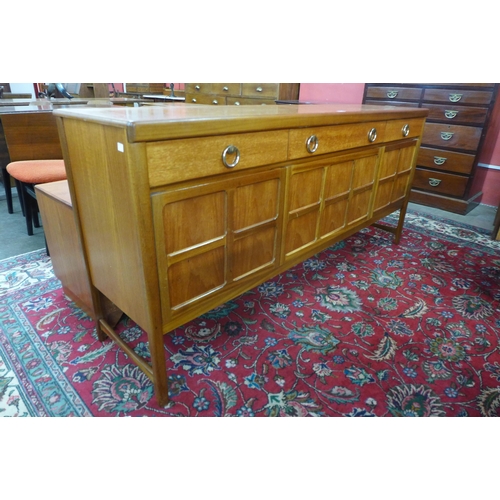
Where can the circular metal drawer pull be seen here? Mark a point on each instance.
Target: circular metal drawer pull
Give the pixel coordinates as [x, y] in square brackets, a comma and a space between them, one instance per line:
[259, 89]
[392, 94]
[455, 97]
[225, 89]
[231, 150]
[197, 87]
[446, 136]
[312, 144]
[450, 113]
[439, 160]
[215, 101]
[236, 103]
[193, 100]
[405, 130]
[434, 182]
[372, 135]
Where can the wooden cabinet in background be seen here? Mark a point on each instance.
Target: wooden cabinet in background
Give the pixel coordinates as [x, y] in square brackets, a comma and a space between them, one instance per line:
[453, 136]
[240, 93]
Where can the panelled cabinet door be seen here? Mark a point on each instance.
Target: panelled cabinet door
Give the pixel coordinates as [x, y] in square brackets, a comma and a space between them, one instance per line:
[328, 196]
[211, 236]
[394, 175]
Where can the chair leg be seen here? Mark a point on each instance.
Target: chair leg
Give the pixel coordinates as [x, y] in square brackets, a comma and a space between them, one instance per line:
[8, 189]
[25, 200]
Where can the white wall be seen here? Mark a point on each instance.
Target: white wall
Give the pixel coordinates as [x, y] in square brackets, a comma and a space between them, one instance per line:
[22, 88]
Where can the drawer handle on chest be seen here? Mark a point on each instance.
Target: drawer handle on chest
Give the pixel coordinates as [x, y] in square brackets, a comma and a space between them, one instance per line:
[215, 101]
[434, 182]
[446, 136]
[259, 89]
[231, 150]
[193, 100]
[236, 103]
[392, 94]
[455, 97]
[439, 160]
[312, 144]
[372, 135]
[197, 87]
[405, 130]
[225, 89]
[450, 113]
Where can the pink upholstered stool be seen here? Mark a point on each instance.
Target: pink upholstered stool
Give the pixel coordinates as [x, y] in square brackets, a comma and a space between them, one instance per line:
[28, 173]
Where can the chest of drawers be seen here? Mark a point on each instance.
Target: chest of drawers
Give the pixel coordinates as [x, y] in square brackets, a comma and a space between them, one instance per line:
[182, 208]
[453, 135]
[239, 93]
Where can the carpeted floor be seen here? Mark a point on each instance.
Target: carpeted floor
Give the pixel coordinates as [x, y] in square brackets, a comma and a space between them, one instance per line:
[365, 328]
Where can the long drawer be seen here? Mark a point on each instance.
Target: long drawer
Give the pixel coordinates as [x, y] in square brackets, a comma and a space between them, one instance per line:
[395, 93]
[458, 96]
[184, 159]
[441, 159]
[451, 136]
[440, 182]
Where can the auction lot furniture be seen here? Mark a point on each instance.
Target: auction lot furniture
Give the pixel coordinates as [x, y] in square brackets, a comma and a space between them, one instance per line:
[453, 136]
[182, 208]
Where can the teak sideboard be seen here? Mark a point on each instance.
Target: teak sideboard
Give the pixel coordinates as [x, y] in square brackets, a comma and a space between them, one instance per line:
[181, 208]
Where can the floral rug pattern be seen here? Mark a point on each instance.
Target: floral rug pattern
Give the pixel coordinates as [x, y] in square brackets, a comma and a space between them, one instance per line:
[365, 328]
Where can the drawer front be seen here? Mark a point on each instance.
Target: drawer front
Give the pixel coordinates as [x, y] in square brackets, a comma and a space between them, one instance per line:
[205, 99]
[321, 140]
[239, 101]
[399, 129]
[440, 182]
[451, 113]
[270, 90]
[394, 93]
[226, 88]
[458, 96]
[198, 88]
[451, 136]
[460, 163]
[392, 103]
[184, 159]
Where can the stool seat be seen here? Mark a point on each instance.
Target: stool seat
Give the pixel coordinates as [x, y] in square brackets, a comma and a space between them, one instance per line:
[37, 171]
[28, 173]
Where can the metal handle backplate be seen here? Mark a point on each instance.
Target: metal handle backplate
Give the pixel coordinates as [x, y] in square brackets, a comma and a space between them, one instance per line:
[455, 97]
[231, 150]
[450, 113]
[434, 182]
[392, 94]
[446, 136]
[439, 160]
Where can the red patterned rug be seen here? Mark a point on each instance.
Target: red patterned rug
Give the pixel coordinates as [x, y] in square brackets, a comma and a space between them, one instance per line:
[365, 328]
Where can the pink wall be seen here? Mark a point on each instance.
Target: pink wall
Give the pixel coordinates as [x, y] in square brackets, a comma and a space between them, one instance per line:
[345, 93]
[487, 179]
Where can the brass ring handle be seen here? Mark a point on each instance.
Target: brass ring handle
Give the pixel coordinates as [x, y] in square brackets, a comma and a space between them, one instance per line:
[193, 100]
[455, 97]
[439, 160]
[372, 135]
[392, 94]
[225, 89]
[312, 144]
[259, 89]
[231, 150]
[450, 113]
[406, 130]
[446, 136]
[197, 87]
[215, 101]
[434, 182]
[236, 103]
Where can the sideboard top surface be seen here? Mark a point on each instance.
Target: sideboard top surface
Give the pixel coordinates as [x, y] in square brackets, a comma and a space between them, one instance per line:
[154, 123]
